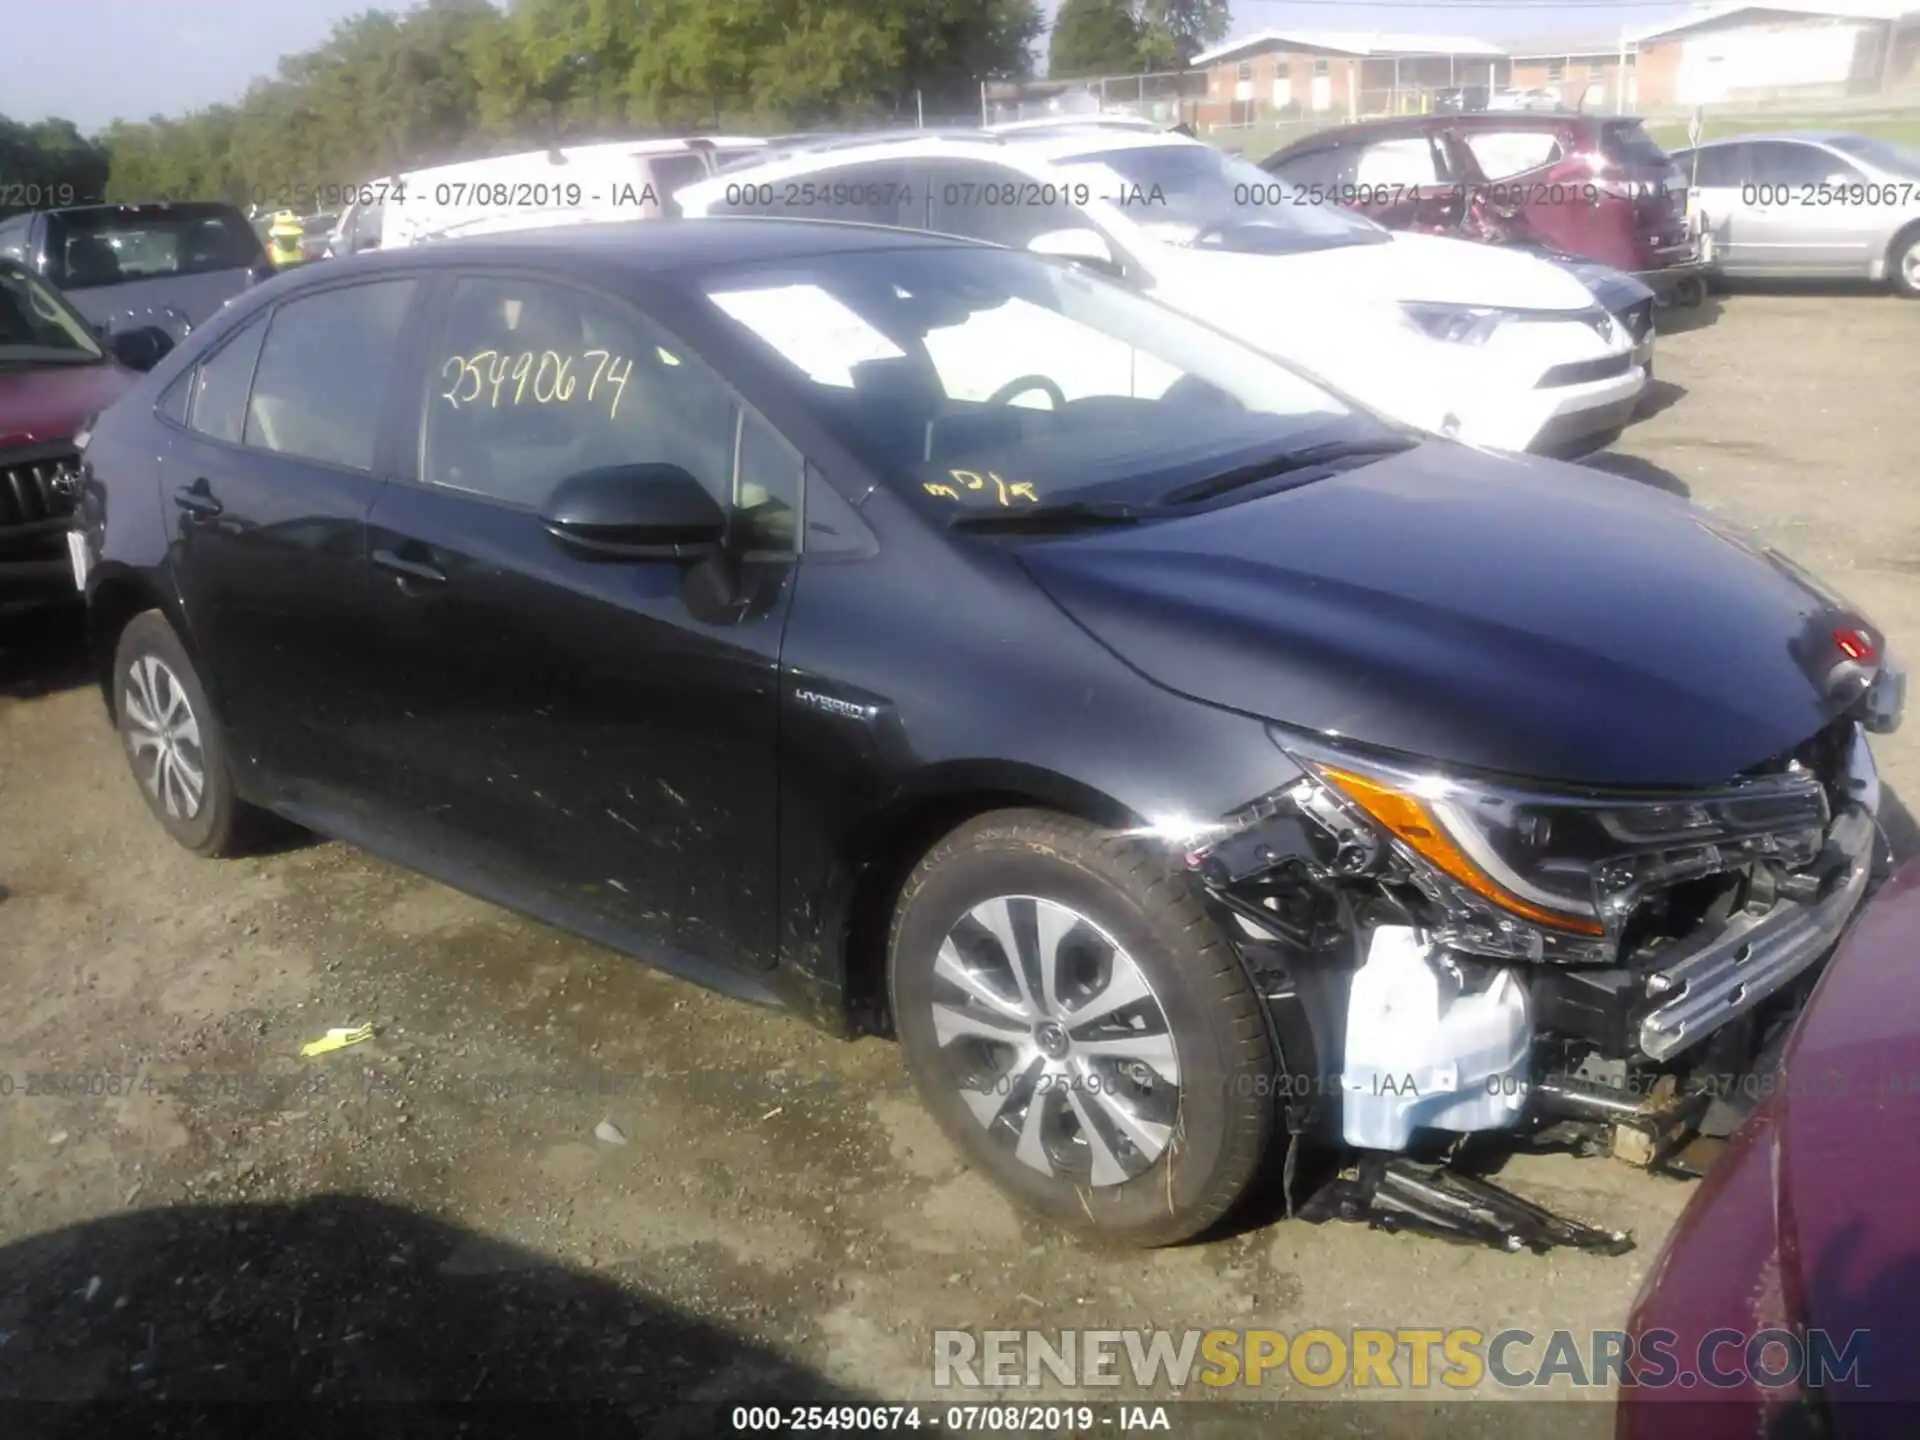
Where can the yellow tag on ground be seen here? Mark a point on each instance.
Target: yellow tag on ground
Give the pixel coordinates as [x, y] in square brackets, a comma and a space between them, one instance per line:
[336, 1039]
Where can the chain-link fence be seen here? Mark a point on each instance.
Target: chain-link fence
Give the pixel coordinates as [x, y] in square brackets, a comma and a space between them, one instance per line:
[1168, 98]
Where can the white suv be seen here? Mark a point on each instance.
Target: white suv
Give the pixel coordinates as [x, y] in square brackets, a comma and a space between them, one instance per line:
[1496, 347]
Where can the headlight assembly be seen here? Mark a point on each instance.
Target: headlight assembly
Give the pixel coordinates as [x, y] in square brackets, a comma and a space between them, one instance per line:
[1524, 873]
[1457, 324]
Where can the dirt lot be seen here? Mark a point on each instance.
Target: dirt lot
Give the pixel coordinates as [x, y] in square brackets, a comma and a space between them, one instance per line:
[431, 1215]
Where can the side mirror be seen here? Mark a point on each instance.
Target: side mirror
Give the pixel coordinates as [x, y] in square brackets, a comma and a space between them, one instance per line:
[141, 348]
[261, 272]
[1085, 247]
[635, 512]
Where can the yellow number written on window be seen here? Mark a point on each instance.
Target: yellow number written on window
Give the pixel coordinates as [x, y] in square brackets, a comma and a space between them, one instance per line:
[1004, 490]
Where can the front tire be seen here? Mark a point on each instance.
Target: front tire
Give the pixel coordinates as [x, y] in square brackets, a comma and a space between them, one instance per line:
[173, 742]
[1081, 1028]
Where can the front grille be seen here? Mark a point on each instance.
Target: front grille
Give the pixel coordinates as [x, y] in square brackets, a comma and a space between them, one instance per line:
[36, 485]
[1585, 372]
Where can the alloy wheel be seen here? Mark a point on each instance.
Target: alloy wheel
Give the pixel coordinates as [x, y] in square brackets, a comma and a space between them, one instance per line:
[1056, 1040]
[163, 736]
[1910, 266]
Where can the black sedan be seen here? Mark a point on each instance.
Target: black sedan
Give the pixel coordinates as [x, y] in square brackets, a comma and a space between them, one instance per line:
[945, 641]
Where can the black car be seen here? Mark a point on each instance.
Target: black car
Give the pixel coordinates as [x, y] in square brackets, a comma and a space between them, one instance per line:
[940, 640]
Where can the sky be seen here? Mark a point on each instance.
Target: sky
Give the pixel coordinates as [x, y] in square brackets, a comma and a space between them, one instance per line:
[97, 60]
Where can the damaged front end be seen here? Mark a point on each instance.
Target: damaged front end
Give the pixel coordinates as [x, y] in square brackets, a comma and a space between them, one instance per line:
[1446, 957]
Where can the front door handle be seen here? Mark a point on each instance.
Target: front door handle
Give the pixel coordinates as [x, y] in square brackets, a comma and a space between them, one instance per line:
[410, 572]
[197, 500]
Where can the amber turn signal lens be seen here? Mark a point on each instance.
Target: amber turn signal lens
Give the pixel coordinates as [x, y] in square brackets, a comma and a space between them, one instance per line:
[1407, 820]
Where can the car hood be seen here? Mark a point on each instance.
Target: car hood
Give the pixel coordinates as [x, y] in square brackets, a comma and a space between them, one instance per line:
[1613, 288]
[1848, 1169]
[1499, 612]
[39, 406]
[1433, 268]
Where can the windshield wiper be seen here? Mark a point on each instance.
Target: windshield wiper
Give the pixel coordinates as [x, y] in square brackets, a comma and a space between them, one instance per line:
[1066, 515]
[1304, 458]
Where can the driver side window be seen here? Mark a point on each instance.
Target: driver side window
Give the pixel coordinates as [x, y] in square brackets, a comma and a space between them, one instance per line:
[534, 382]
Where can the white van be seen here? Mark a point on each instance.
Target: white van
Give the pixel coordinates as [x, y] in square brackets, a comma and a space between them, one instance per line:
[624, 179]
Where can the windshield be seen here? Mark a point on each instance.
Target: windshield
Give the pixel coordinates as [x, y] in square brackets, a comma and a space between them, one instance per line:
[1884, 154]
[979, 379]
[1184, 193]
[112, 244]
[37, 327]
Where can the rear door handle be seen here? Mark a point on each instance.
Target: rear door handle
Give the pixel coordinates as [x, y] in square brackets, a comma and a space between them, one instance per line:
[197, 499]
[415, 571]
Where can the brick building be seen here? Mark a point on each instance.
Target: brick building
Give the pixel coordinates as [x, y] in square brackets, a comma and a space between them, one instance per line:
[1585, 73]
[1280, 74]
[1732, 52]
[1721, 54]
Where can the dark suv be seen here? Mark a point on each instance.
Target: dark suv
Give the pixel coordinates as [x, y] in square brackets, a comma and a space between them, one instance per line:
[111, 259]
[1596, 187]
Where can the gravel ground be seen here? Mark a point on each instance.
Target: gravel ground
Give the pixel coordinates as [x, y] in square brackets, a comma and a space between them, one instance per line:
[555, 1174]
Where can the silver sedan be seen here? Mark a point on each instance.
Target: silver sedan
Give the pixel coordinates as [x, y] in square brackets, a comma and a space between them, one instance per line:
[1807, 204]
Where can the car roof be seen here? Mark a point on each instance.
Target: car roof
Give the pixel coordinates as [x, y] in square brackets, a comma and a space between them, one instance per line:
[1361, 131]
[1825, 137]
[1049, 144]
[140, 205]
[649, 246]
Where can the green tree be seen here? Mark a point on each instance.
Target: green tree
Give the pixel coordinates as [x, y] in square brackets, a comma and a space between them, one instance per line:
[450, 79]
[1172, 32]
[47, 162]
[1094, 37]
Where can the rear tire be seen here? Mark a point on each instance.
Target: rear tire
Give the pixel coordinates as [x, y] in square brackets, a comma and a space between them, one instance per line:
[1903, 263]
[1120, 1081]
[173, 742]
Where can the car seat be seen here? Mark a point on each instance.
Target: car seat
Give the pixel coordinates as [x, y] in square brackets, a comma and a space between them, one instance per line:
[90, 261]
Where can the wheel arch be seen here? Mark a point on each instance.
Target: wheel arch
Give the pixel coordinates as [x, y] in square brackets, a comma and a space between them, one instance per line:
[886, 849]
[113, 601]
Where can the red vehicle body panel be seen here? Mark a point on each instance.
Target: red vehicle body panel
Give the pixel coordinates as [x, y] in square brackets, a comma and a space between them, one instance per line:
[1605, 192]
[41, 406]
[1811, 1221]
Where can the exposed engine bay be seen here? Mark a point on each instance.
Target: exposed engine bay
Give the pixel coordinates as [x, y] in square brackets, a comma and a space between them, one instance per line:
[1448, 961]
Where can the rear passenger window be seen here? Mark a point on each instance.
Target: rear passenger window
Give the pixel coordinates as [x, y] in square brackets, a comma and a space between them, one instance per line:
[1400, 163]
[1323, 169]
[997, 204]
[324, 371]
[668, 173]
[216, 403]
[1500, 153]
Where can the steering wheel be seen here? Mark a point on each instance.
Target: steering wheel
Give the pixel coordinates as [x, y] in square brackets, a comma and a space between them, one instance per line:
[1021, 384]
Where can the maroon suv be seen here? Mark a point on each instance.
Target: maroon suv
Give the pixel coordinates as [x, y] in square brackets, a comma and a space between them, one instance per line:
[1592, 186]
[55, 371]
